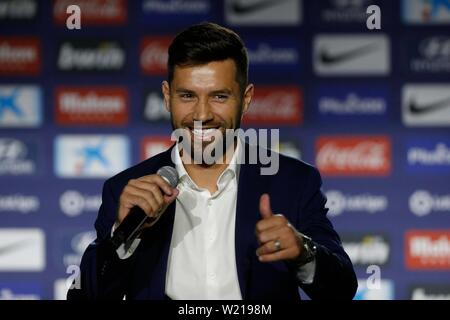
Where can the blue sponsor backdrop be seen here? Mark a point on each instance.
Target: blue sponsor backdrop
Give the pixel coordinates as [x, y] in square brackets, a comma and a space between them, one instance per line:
[62, 190]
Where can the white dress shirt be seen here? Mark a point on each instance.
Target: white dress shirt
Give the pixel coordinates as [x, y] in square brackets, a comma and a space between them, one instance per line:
[202, 262]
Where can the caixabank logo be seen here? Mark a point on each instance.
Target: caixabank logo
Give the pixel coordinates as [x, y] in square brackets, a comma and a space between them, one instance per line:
[175, 12]
[94, 105]
[90, 156]
[352, 104]
[94, 12]
[276, 105]
[354, 155]
[426, 12]
[382, 290]
[20, 56]
[20, 106]
[426, 105]
[89, 55]
[427, 249]
[263, 12]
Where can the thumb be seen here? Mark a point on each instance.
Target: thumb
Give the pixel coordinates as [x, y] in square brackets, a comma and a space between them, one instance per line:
[264, 206]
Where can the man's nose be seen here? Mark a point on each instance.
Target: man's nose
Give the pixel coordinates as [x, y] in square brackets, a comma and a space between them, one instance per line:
[202, 111]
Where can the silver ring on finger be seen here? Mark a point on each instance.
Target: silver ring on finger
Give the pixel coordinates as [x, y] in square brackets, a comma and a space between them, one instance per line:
[277, 244]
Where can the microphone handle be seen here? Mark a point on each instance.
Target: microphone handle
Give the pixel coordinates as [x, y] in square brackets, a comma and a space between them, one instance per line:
[129, 227]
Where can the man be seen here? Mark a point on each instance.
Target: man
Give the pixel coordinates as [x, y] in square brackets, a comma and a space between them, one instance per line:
[226, 231]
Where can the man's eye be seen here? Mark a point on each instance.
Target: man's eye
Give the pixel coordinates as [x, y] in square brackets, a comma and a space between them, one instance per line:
[221, 97]
[186, 96]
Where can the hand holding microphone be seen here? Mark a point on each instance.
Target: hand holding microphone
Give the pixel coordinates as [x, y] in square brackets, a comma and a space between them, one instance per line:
[144, 200]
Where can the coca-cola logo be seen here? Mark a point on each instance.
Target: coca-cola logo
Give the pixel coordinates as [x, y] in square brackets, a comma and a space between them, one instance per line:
[353, 156]
[275, 105]
[154, 55]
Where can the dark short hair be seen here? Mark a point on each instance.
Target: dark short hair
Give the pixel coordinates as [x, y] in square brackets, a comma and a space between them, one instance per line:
[208, 42]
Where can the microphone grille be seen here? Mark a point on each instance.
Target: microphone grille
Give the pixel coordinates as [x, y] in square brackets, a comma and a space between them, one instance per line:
[169, 174]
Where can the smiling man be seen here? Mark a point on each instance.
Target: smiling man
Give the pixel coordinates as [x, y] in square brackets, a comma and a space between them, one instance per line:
[225, 231]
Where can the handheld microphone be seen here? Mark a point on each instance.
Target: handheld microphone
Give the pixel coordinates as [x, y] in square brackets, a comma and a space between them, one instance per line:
[128, 229]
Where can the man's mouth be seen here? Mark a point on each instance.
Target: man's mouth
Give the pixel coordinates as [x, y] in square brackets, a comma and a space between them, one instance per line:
[204, 134]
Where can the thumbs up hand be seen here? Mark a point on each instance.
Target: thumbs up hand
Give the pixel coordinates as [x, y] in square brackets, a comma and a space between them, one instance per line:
[278, 239]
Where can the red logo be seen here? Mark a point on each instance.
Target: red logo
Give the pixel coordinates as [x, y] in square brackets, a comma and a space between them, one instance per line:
[275, 105]
[154, 55]
[427, 249]
[354, 156]
[91, 105]
[153, 145]
[20, 56]
[93, 12]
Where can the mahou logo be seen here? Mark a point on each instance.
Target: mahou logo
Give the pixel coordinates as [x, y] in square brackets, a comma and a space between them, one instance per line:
[94, 12]
[275, 105]
[154, 55]
[427, 249]
[20, 56]
[91, 105]
[353, 155]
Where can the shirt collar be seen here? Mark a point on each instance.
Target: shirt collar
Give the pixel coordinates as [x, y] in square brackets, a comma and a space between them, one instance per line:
[230, 173]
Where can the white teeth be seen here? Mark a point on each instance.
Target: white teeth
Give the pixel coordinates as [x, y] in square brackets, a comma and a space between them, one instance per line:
[203, 131]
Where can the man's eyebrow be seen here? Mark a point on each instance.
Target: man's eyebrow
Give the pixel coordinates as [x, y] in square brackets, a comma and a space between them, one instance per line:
[221, 91]
[183, 90]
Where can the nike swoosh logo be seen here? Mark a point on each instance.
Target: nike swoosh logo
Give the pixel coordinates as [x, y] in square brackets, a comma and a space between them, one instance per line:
[242, 8]
[13, 246]
[328, 58]
[415, 108]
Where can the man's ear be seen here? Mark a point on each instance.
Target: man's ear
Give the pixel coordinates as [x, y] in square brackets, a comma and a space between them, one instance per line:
[248, 94]
[165, 88]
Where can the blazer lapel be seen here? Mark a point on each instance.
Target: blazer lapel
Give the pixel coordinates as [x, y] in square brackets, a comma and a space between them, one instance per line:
[250, 188]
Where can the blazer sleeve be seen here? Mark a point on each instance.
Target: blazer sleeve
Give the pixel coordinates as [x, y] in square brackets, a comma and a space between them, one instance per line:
[102, 274]
[334, 276]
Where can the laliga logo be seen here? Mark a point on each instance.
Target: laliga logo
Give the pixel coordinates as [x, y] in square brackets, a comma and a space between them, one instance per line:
[422, 203]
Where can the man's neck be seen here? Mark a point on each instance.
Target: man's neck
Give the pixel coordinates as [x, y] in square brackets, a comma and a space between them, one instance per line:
[206, 176]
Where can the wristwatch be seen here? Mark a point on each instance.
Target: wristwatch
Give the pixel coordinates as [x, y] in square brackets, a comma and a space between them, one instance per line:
[308, 252]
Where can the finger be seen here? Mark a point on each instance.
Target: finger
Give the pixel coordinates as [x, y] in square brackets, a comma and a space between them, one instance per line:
[273, 234]
[160, 182]
[268, 247]
[149, 187]
[275, 221]
[264, 206]
[284, 254]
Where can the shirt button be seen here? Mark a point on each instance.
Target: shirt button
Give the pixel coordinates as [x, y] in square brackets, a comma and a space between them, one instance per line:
[209, 203]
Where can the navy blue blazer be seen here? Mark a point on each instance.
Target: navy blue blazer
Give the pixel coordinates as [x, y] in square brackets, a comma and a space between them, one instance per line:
[294, 192]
